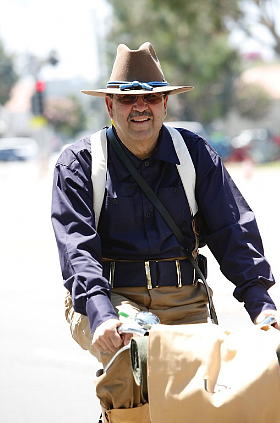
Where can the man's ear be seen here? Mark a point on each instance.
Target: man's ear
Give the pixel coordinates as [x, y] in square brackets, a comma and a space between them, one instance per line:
[109, 105]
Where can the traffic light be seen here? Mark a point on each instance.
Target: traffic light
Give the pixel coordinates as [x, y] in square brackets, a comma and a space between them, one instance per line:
[37, 100]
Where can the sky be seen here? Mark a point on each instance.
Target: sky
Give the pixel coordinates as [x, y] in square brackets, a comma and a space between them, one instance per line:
[37, 27]
[71, 28]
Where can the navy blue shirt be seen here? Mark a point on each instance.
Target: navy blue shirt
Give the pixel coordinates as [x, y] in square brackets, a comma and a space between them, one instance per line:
[131, 229]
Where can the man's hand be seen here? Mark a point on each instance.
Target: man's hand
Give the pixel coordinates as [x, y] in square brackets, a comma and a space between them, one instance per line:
[267, 313]
[106, 337]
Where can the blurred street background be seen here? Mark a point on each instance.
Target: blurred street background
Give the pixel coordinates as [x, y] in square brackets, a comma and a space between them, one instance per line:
[229, 51]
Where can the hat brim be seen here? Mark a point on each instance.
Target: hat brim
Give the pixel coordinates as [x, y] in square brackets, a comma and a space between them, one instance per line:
[170, 89]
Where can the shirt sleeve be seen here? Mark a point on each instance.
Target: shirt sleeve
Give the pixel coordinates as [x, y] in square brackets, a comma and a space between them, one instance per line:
[230, 230]
[78, 242]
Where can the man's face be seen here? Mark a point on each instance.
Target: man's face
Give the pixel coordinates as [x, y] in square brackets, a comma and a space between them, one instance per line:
[137, 118]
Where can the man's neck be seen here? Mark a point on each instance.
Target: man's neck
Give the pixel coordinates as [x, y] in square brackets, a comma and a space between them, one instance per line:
[142, 151]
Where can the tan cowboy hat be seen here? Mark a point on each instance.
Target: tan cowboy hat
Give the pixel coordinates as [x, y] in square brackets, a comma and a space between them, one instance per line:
[137, 72]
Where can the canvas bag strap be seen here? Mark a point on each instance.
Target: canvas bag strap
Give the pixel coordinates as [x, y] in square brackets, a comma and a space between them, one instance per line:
[99, 157]
[164, 213]
[187, 174]
[186, 168]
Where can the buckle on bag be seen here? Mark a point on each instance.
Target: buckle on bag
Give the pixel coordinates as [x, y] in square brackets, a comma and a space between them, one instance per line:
[195, 279]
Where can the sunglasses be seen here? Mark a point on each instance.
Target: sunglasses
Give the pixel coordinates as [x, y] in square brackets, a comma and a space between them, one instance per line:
[147, 98]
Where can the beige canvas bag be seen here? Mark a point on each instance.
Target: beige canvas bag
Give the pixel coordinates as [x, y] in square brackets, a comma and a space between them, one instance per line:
[203, 373]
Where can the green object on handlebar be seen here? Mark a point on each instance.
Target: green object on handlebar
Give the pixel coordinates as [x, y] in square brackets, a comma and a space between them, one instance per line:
[123, 314]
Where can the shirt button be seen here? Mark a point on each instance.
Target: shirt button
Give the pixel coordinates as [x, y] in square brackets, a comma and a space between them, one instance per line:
[115, 201]
[147, 163]
[148, 215]
[175, 190]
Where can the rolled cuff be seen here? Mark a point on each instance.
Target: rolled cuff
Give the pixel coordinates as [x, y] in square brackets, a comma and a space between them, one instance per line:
[99, 309]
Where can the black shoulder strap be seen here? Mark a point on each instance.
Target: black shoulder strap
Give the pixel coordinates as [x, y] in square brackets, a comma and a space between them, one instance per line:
[164, 213]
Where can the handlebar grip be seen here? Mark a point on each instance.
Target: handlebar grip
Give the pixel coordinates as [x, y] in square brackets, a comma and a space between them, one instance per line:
[268, 321]
[132, 330]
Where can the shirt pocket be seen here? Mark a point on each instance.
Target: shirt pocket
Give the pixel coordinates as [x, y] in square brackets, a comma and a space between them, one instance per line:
[175, 201]
[117, 215]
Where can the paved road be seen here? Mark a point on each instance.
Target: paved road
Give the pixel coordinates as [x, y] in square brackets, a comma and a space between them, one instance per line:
[45, 377]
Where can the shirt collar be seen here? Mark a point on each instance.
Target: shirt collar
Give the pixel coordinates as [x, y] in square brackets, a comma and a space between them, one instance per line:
[165, 152]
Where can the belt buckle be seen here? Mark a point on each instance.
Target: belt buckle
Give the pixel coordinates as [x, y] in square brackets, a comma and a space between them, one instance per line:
[112, 273]
[148, 275]
[179, 275]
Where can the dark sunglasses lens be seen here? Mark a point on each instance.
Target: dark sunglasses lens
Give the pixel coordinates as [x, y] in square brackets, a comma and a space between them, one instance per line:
[152, 98]
[127, 99]
[149, 98]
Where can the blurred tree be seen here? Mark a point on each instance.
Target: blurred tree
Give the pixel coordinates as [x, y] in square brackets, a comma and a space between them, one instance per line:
[65, 115]
[191, 40]
[251, 100]
[8, 75]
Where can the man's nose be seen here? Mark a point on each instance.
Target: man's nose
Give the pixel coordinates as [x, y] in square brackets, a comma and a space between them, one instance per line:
[140, 104]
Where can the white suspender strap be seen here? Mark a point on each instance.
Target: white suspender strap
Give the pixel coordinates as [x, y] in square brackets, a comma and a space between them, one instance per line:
[99, 167]
[186, 168]
[98, 170]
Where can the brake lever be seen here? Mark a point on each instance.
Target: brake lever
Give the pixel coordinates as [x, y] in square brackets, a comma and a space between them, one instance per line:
[136, 330]
[140, 325]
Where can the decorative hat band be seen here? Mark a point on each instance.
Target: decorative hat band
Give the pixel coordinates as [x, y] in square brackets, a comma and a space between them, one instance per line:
[136, 85]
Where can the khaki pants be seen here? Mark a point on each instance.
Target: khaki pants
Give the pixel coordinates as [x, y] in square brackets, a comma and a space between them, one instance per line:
[119, 396]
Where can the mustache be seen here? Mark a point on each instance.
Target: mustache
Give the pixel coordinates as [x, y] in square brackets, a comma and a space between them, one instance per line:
[137, 114]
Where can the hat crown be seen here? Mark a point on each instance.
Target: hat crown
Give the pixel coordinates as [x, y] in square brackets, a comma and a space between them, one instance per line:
[137, 72]
[137, 65]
